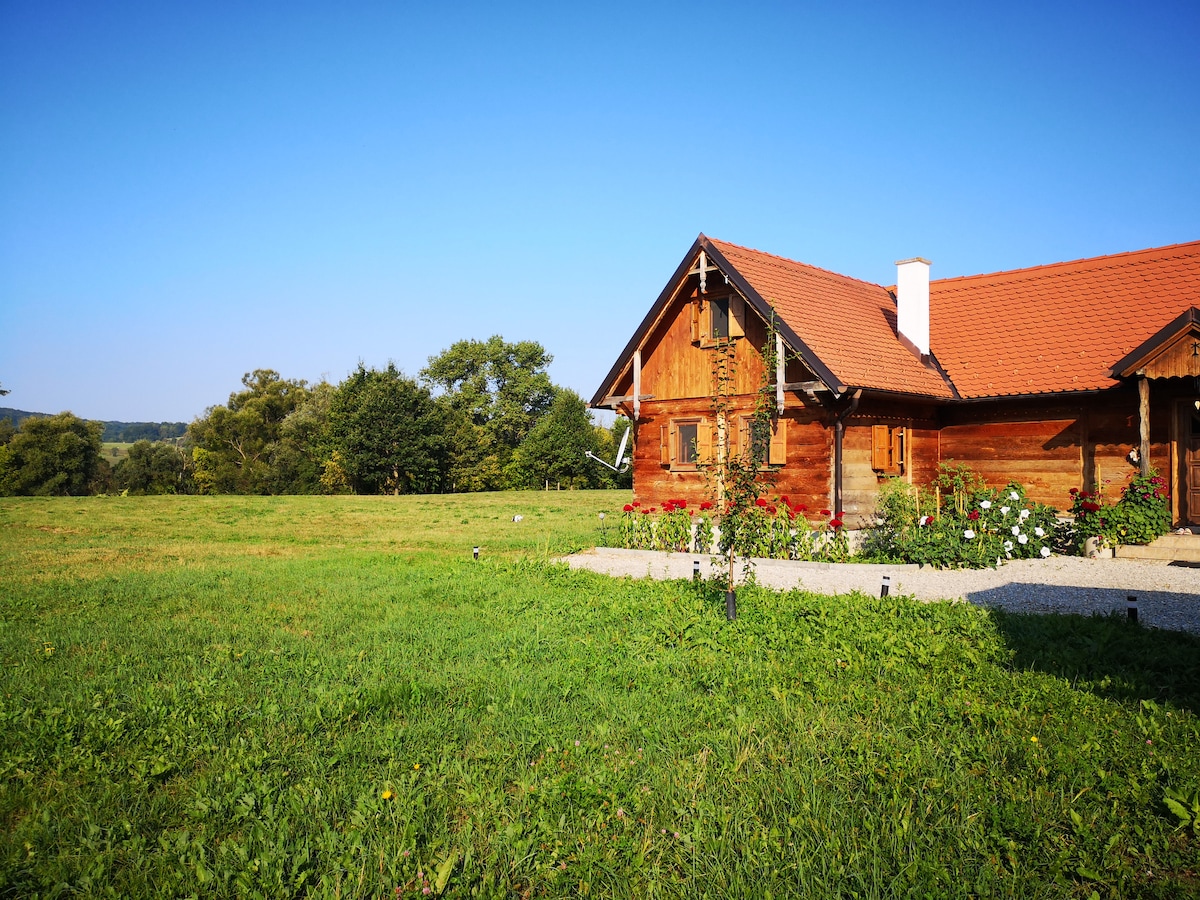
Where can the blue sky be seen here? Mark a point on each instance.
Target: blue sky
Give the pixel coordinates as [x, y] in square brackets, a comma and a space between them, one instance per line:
[191, 192]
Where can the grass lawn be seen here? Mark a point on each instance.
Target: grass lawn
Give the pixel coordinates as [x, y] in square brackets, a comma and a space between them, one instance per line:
[248, 696]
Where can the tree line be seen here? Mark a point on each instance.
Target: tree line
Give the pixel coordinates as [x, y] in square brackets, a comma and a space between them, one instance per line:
[482, 415]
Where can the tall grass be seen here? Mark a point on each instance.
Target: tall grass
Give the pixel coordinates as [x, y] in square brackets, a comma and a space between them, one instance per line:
[329, 697]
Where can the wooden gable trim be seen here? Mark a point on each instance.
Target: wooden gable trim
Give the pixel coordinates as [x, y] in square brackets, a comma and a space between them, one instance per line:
[1180, 328]
[652, 318]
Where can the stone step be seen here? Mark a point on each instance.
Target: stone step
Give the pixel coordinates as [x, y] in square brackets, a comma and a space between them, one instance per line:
[1169, 547]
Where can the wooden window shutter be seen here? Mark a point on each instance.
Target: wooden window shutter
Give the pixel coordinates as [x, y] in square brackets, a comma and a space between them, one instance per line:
[704, 441]
[737, 316]
[703, 321]
[897, 450]
[881, 448]
[664, 447]
[777, 455]
[696, 318]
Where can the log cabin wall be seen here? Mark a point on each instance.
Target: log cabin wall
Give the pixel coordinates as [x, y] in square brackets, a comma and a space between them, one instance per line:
[1051, 445]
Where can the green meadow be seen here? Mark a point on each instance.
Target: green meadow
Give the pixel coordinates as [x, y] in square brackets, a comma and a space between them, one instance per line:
[328, 697]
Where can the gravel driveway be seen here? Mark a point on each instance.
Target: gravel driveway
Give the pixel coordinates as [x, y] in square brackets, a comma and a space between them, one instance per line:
[1168, 595]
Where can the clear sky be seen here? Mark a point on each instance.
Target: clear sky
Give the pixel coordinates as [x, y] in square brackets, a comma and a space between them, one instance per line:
[192, 191]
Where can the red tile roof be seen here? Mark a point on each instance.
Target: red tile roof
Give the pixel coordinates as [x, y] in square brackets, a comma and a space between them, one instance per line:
[1059, 327]
[849, 324]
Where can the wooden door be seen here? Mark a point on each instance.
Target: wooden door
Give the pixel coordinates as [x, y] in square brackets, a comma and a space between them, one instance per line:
[1190, 446]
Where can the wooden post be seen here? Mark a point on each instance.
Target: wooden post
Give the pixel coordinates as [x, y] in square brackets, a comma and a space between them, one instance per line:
[1144, 424]
[779, 365]
[637, 385]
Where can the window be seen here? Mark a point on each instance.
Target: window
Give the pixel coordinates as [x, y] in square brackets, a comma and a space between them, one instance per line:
[887, 449]
[685, 443]
[768, 446]
[718, 318]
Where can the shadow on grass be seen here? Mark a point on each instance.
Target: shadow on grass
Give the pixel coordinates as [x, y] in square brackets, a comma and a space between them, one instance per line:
[1105, 654]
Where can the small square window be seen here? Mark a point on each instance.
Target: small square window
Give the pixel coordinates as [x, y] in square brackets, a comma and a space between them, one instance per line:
[686, 450]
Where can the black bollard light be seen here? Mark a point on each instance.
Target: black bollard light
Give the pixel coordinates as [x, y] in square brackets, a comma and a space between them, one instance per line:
[695, 570]
[1131, 607]
[475, 553]
[886, 587]
[731, 605]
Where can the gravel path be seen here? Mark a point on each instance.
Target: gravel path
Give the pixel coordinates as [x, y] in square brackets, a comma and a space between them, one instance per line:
[1168, 595]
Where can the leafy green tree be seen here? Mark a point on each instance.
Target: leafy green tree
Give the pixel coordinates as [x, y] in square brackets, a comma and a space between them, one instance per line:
[555, 450]
[51, 455]
[502, 389]
[296, 459]
[233, 443]
[388, 434]
[154, 468]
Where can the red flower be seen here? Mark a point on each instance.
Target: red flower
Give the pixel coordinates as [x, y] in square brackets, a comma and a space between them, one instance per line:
[1089, 506]
[637, 503]
[760, 502]
[973, 515]
[1074, 491]
[840, 514]
[681, 504]
[825, 512]
[835, 523]
[691, 512]
[772, 510]
[800, 507]
[784, 498]
[645, 512]
[791, 515]
[668, 507]
[628, 507]
[705, 505]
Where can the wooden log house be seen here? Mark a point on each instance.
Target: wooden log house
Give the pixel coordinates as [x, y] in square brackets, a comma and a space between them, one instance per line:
[1070, 375]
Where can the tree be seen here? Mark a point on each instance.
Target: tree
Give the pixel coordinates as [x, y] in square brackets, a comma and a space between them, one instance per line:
[296, 459]
[233, 443]
[154, 468]
[51, 455]
[555, 450]
[386, 434]
[502, 390]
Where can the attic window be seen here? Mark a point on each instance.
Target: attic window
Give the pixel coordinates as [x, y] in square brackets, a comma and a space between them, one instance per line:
[718, 318]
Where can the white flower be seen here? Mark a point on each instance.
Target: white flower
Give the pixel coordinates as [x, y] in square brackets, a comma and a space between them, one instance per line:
[986, 504]
[1039, 531]
[969, 534]
[1023, 539]
[1024, 514]
[1004, 510]
[518, 518]
[1013, 495]
[1007, 546]
[1045, 551]
[1016, 529]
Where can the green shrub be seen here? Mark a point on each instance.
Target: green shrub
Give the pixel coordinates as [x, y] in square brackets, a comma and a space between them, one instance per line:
[961, 523]
[1141, 514]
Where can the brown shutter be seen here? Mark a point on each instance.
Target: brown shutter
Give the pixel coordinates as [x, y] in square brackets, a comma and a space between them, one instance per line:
[696, 317]
[777, 456]
[704, 320]
[664, 447]
[881, 448]
[898, 450]
[737, 316]
[704, 441]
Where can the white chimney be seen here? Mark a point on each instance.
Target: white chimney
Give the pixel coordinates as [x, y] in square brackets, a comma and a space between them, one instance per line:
[912, 302]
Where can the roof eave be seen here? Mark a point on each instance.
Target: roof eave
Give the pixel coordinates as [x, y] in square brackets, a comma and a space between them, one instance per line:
[1149, 348]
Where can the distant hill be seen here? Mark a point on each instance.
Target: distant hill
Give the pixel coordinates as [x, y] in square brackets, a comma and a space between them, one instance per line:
[115, 432]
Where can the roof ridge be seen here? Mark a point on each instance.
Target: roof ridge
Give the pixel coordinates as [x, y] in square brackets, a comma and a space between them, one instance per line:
[796, 262]
[1099, 260]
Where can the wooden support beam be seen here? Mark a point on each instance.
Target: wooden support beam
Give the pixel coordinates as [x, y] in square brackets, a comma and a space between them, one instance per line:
[615, 401]
[779, 366]
[1144, 424]
[805, 386]
[637, 379]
